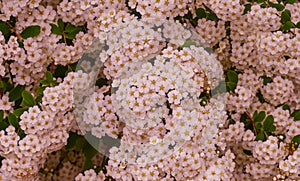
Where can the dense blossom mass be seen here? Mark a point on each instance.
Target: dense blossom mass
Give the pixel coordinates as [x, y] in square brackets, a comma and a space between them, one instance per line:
[149, 90]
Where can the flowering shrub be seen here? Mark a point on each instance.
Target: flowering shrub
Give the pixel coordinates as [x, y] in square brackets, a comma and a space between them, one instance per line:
[149, 90]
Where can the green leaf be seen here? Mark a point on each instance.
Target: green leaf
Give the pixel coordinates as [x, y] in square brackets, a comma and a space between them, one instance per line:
[289, 1]
[89, 151]
[188, 43]
[231, 121]
[296, 115]
[12, 119]
[60, 71]
[19, 112]
[88, 164]
[258, 125]
[247, 152]
[260, 116]
[230, 86]
[31, 31]
[296, 140]
[260, 136]
[285, 107]
[44, 82]
[55, 29]
[1, 115]
[16, 93]
[212, 17]
[61, 25]
[71, 35]
[298, 25]
[260, 97]
[263, 5]
[279, 7]
[21, 133]
[72, 140]
[232, 76]
[38, 99]
[69, 28]
[28, 99]
[285, 16]
[287, 26]
[200, 12]
[247, 8]
[80, 143]
[49, 76]
[4, 28]
[269, 124]
[3, 125]
[266, 79]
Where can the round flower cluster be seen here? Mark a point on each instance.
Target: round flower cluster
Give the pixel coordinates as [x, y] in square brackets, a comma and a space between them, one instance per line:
[279, 91]
[159, 97]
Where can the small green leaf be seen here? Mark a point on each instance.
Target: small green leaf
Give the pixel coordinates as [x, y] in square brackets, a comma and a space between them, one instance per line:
[19, 112]
[61, 25]
[230, 86]
[287, 26]
[232, 76]
[3, 125]
[247, 8]
[44, 82]
[285, 107]
[5, 85]
[89, 151]
[72, 140]
[80, 143]
[269, 124]
[260, 116]
[69, 28]
[38, 99]
[49, 76]
[290, 1]
[1, 115]
[285, 16]
[263, 5]
[298, 25]
[188, 43]
[247, 152]
[88, 164]
[212, 17]
[200, 12]
[40, 90]
[55, 29]
[31, 31]
[296, 140]
[12, 119]
[260, 97]
[296, 115]
[71, 35]
[260, 136]
[4, 28]
[279, 7]
[28, 99]
[258, 125]
[16, 93]
[266, 79]
[255, 114]
[231, 121]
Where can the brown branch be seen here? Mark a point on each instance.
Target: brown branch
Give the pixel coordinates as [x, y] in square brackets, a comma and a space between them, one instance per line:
[252, 122]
